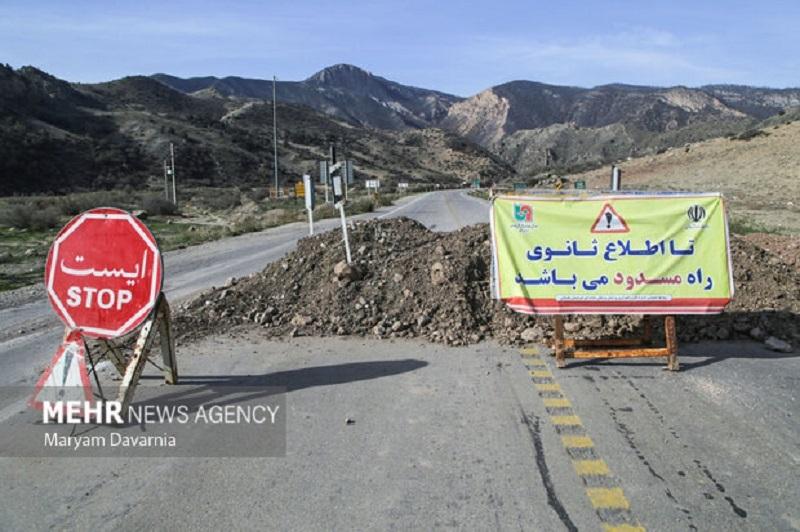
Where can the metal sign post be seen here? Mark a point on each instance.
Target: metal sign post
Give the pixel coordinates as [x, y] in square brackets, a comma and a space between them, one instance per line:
[338, 201]
[616, 178]
[348, 174]
[324, 173]
[308, 185]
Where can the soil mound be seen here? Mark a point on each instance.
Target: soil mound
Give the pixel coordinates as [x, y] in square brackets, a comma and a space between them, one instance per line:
[407, 281]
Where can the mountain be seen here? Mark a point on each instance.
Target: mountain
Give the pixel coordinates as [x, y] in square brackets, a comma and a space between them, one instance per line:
[538, 127]
[493, 114]
[57, 136]
[343, 91]
[755, 101]
[534, 126]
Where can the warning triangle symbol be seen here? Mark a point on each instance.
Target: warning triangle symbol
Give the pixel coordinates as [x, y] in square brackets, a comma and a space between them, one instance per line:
[609, 221]
[66, 377]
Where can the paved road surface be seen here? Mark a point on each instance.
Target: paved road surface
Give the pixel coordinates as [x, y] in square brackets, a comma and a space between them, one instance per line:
[453, 438]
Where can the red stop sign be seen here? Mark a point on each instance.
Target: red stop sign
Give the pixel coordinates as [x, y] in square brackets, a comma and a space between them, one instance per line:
[103, 273]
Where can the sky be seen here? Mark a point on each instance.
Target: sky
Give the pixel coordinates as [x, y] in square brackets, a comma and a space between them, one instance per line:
[460, 47]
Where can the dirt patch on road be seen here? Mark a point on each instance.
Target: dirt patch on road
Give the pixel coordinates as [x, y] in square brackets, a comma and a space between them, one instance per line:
[407, 281]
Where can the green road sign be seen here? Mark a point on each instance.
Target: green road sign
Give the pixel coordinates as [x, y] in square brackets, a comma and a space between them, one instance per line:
[519, 186]
[581, 185]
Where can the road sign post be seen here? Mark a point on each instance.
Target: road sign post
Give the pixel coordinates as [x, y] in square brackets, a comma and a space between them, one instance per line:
[338, 201]
[616, 178]
[308, 186]
[103, 277]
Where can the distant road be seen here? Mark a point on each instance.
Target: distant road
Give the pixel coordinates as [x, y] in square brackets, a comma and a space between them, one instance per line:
[30, 332]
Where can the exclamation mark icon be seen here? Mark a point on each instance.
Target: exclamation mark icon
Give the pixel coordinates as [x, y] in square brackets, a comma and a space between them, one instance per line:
[609, 216]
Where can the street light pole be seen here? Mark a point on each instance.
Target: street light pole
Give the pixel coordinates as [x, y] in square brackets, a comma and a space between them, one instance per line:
[275, 133]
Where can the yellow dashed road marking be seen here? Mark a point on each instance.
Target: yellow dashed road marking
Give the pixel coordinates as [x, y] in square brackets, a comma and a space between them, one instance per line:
[585, 462]
[608, 498]
[577, 442]
[565, 420]
[557, 402]
[590, 467]
[623, 528]
[536, 362]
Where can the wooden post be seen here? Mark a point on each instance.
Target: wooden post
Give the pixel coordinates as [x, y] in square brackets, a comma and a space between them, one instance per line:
[647, 335]
[167, 342]
[159, 320]
[137, 362]
[672, 343]
[559, 341]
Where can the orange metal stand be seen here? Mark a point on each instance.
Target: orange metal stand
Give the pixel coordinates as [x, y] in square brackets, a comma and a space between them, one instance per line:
[618, 347]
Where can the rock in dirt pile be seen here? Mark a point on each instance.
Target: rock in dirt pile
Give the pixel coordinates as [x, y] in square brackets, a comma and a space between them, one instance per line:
[407, 281]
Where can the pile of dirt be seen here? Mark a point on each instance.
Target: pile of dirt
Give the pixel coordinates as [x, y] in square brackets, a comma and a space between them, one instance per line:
[786, 247]
[407, 281]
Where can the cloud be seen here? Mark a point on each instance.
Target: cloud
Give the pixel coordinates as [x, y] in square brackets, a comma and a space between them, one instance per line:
[638, 55]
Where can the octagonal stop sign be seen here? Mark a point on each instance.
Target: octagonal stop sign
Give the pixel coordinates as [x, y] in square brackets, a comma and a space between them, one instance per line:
[103, 273]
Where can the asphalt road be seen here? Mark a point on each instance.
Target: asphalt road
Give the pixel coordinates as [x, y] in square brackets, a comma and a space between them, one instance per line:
[448, 438]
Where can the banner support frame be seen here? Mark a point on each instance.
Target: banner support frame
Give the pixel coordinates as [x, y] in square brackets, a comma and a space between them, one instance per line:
[564, 348]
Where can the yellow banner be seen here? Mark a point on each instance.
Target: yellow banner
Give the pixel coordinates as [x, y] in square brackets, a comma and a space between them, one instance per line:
[612, 254]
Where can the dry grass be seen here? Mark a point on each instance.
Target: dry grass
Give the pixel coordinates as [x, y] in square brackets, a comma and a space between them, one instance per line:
[760, 176]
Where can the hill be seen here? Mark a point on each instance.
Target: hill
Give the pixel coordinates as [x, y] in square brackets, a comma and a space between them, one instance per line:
[758, 172]
[343, 91]
[538, 127]
[56, 136]
[533, 126]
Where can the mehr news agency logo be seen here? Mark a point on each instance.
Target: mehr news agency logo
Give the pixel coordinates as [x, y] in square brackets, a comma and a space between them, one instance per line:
[523, 217]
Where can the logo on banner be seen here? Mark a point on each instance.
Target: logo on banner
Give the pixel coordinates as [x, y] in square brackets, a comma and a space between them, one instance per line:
[523, 214]
[696, 215]
[609, 221]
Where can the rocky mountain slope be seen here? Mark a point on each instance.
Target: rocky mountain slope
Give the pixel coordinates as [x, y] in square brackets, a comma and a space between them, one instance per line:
[57, 136]
[533, 126]
[538, 127]
[343, 91]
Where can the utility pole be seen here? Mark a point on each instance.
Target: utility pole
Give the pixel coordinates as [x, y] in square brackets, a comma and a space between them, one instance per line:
[166, 181]
[275, 133]
[172, 160]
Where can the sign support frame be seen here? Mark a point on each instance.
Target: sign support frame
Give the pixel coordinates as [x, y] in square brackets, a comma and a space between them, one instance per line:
[564, 348]
[159, 321]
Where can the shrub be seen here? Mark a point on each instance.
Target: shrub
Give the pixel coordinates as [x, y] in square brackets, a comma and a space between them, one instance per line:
[158, 205]
[27, 216]
[360, 205]
[751, 134]
[217, 199]
[73, 204]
